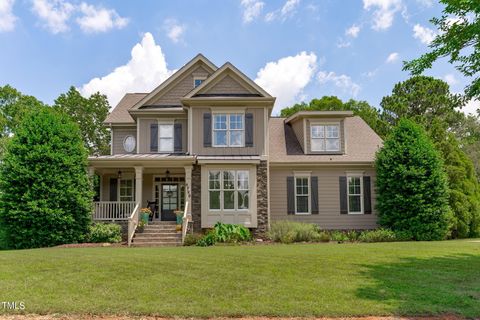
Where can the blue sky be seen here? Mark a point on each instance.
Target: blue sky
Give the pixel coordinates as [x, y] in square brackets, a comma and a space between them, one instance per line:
[296, 49]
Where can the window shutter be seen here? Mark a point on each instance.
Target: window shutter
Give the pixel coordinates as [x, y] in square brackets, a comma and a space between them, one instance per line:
[177, 140]
[249, 130]
[207, 129]
[113, 189]
[290, 196]
[314, 193]
[343, 195]
[154, 137]
[367, 198]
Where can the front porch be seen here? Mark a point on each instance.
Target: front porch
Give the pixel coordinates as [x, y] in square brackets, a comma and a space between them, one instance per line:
[124, 188]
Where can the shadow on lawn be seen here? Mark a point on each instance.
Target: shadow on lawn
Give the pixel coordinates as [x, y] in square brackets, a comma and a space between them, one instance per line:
[428, 286]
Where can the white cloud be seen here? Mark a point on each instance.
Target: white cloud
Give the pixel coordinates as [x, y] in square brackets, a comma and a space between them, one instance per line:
[54, 14]
[341, 43]
[425, 3]
[450, 79]
[424, 34]
[471, 107]
[392, 57]
[251, 9]
[174, 29]
[146, 69]
[7, 18]
[342, 81]
[288, 10]
[353, 31]
[384, 12]
[99, 19]
[286, 78]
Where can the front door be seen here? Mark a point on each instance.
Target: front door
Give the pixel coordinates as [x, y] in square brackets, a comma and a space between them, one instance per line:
[169, 201]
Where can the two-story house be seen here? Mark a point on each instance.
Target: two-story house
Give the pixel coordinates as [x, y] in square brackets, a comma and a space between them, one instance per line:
[206, 137]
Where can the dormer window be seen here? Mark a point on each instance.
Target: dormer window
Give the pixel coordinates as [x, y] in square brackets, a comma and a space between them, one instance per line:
[198, 81]
[228, 130]
[325, 137]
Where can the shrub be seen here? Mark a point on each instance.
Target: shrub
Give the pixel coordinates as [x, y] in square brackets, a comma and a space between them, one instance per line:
[412, 186]
[105, 232]
[323, 237]
[45, 197]
[378, 235]
[289, 231]
[3, 240]
[338, 236]
[192, 239]
[226, 233]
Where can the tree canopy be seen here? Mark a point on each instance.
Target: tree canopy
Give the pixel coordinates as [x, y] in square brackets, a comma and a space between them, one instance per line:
[457, 38]
[89, 113]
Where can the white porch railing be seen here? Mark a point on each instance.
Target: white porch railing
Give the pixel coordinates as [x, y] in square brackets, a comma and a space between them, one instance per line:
[186, 219]
[113, 210]
[133, 223]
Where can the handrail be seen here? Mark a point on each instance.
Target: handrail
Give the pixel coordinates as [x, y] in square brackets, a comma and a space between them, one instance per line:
[132, 224]
[186, 219]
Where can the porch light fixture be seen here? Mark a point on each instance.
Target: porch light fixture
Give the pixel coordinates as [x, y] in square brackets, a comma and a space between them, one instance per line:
[119, 174]
[167, 173]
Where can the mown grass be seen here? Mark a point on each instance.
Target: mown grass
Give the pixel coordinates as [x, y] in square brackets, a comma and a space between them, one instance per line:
[411, 278]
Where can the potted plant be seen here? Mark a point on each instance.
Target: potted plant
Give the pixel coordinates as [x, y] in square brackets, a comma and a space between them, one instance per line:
[145, 215]
[179, 215]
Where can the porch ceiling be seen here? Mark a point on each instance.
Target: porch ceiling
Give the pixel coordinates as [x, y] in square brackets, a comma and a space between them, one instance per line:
[140, 160]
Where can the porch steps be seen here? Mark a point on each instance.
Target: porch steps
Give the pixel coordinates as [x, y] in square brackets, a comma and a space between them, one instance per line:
[158, 234]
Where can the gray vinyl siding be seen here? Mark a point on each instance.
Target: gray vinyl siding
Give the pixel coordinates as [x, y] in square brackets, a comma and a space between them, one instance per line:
[329, 216]
[297, 127]
[181, 88]
[144, 131]
[119, 134]
[227, 85]
[258, 135]
[342, 134]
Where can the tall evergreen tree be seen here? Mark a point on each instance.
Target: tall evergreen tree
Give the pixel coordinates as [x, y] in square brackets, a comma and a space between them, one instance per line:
[412, 185]
[45, 196]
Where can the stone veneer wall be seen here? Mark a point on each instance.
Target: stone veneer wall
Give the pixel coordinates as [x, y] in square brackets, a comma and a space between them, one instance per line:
[262, 200]
[197, 198]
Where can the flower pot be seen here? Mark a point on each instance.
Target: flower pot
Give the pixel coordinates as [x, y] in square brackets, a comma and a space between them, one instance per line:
[145, 216]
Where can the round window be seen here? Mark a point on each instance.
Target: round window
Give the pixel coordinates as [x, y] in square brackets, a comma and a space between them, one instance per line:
[129, 143]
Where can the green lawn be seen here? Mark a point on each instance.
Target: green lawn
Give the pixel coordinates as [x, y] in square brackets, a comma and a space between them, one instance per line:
[279, 280]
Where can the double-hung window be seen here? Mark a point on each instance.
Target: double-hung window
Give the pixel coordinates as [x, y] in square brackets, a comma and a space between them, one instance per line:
[165, 137]
[355, 194]
[228, 130]
[325, 137]
[302, 195]
[228, 190]
[126, 190]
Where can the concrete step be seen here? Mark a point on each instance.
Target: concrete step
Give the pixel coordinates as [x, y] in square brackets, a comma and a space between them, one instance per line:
[163, 239]
[156, 244]
[166, 223]
[157, 234]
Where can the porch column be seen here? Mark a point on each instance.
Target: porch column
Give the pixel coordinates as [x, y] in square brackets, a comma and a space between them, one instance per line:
[188, 187]
[138, 185]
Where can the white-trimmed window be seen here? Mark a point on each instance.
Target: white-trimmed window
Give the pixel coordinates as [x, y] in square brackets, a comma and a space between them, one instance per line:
[325, 137]
[228, 130]
[228, 190]
[165, 137]
[302, 195]
[126, 190]
[355, 194]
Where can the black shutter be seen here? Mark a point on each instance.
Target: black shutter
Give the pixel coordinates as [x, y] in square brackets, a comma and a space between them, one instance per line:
[314, 193]
[290, 196]
[177, 130]
[367, 198]
[113, 189]
[207, 129]
[154, 137]
[343, 195]
[249, 130]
